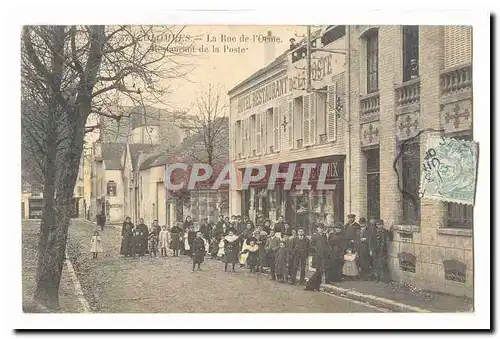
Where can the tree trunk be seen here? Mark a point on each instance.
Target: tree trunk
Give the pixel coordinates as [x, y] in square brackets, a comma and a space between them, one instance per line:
[53, 239]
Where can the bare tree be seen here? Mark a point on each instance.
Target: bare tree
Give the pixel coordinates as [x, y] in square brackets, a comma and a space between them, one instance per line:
[211, 125]
[70, 74]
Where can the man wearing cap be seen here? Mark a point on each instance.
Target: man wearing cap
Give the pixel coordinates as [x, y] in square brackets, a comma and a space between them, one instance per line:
[378, 250]
[300, 248]
[351, 228]
[364, 260]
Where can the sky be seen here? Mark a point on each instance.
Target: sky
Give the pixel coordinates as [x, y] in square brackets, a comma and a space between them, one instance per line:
[228, 68]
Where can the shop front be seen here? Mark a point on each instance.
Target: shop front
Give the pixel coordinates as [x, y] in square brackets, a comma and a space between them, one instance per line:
[300, 207]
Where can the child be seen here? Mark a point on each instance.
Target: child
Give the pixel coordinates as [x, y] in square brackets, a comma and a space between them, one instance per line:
[281, 261]
[137, 243]
[220, 253]
[163, 241]
[95, 244]
[231, 249]
[253, 255]
[152, 242]
[350, 268]
[198, 250]
[214, 248]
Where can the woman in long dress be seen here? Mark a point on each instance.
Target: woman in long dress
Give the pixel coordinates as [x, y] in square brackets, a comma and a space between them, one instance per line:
[175, 242]
[231, 250]
[126, 248]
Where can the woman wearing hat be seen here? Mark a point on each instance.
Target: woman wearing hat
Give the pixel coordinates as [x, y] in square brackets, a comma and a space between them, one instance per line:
[337, 243]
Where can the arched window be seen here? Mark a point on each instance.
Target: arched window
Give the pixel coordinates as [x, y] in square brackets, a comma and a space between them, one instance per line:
[111, 188]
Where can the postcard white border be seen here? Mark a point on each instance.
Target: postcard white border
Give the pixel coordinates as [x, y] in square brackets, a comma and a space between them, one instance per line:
[284, 12]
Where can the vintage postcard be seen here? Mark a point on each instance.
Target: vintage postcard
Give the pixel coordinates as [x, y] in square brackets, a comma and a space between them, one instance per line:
[248, 169]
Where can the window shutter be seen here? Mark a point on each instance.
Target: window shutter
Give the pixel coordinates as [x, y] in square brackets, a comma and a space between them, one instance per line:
[312, 118]
[291, 140]
[258, 128]
[263, 137]
[332, 113]
[305, 126]
[243, 143]
[246, 139]
[457, 45]
[276, 117]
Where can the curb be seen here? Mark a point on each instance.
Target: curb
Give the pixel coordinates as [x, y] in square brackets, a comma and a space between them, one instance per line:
[78, 288]
[371, 299]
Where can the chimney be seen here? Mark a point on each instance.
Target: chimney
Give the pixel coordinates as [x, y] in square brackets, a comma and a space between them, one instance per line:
[269, 49]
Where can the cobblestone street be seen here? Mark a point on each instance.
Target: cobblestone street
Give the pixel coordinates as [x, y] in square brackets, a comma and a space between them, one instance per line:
[113, 283]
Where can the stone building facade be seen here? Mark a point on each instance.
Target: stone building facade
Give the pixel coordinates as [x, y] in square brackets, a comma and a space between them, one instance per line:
[394, 82]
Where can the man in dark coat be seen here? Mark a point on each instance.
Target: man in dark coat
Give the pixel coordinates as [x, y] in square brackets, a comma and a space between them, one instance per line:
[127, 234]
[219, 226]
[378, 249]
[101, 220]
[279, 225]
[240, 227]
[198, 250]
[362, 246]
[205, 229]
[337, 244]
[190, 238]
[272, 246]
[143, 230]
[351, 228]
[320, 250]
[300, 248]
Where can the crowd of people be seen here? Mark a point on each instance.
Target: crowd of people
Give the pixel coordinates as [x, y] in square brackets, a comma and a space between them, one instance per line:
[356, 250]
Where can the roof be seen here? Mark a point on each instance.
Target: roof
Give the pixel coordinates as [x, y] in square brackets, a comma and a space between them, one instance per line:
[137, 149]
[112, 155]
[147, 163]
[261, 71]
[187, 150]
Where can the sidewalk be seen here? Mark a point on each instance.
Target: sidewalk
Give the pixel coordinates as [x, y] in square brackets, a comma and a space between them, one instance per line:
[399, 298]
[67, 299]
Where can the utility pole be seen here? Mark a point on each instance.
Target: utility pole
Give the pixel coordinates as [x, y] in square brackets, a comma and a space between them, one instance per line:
[308, 44]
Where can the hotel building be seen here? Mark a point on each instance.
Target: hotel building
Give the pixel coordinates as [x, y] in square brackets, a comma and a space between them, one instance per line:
[374, 89]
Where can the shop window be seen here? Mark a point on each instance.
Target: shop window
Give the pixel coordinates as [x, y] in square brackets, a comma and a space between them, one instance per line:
[111, 188]
[411, 183]
[410, 52]
[407, 262]
[372, 61]
[373, 183]
[459, 215]
[455, 270]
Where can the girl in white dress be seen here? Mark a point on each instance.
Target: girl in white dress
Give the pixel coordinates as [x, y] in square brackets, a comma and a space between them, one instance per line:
[95, 244]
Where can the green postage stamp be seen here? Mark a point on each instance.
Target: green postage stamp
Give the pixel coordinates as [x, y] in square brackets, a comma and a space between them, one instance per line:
[449, 170]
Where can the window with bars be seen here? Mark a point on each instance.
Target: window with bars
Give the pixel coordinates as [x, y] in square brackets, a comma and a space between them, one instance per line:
[407, 262]
[410, 52]
[455, 270]
[410, 183]
[373, 183]
[372, 61]
[459, 215]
